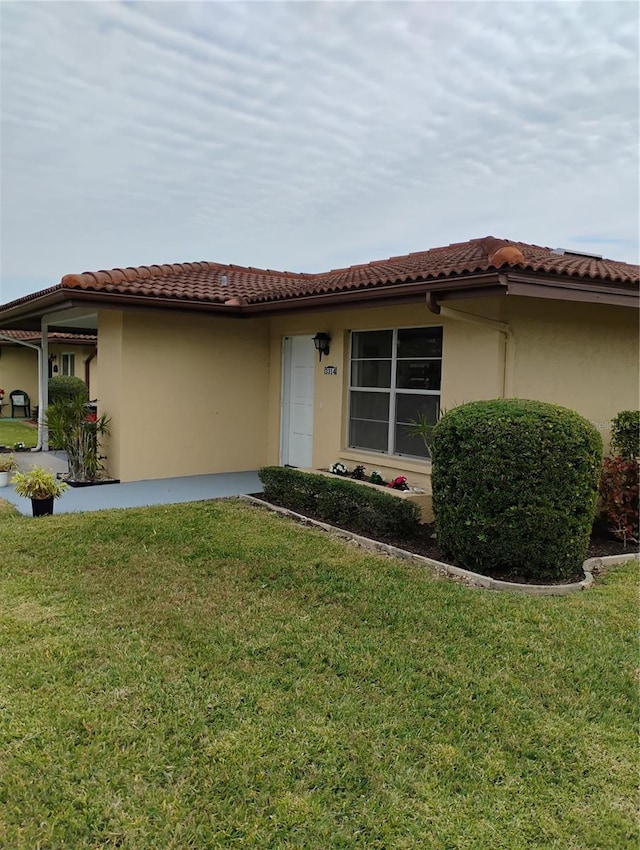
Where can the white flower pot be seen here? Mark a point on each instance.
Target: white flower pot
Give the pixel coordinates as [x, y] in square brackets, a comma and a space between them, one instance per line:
[4, 478]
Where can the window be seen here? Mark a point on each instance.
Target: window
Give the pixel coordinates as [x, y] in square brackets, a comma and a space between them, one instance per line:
[395, 378]
[68, 364]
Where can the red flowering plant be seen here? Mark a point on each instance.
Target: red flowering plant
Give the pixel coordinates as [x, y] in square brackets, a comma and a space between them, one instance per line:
[1, 393]
[619, 483]
[619, 495]
[399, 483]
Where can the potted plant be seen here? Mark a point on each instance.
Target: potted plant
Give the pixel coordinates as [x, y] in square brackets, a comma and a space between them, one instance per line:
[7, 466]
[41, 486]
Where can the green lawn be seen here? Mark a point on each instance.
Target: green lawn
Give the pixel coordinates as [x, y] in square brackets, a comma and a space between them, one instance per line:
[17, 432]
[215, 676]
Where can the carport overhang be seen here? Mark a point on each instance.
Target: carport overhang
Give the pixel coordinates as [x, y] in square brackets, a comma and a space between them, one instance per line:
[44, 315]
[77, 310]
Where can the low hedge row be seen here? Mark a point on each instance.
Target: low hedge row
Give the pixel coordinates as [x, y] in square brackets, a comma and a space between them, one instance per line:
[340, 502]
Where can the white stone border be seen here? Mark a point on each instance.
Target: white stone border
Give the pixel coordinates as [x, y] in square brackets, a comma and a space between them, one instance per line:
[590, 566]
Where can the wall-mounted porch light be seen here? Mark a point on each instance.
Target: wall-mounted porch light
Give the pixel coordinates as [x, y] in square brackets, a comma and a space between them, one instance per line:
[53, 366]
[321, 341]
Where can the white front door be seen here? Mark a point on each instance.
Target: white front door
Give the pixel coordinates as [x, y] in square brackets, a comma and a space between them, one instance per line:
[297, 401]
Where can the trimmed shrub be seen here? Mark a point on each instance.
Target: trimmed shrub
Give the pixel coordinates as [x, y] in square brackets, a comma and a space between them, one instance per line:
[65, 388]
[515, 484]
[625, 434]
[619, 497]
[289, 488]
[340, 502]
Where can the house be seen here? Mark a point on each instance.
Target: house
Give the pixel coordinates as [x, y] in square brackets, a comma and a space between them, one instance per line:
[205, 367]
[68, 354]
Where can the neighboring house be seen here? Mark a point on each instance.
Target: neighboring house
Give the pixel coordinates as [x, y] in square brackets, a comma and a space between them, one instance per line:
[212, 368]
[68, 354]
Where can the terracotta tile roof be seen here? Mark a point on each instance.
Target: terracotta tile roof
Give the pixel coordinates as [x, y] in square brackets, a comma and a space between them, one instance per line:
[54, 336]
[215, 283]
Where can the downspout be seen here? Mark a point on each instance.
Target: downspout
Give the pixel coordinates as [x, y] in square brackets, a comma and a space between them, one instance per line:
[41, 360]
[502, 327]
[43, 432]
[87, 367]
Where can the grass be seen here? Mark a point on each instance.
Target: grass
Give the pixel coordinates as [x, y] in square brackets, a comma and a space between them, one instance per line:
[214, 676]
[17, 432]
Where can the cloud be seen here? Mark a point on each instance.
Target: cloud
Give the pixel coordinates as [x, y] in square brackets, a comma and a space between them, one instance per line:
[311, 135]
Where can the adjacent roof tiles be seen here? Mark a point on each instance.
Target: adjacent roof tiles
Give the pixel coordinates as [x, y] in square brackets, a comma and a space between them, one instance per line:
[53, 336]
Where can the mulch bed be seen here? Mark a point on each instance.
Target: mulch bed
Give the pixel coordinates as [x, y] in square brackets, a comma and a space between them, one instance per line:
[424, 543]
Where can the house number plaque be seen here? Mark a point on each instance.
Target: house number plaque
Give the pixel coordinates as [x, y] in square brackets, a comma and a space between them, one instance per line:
[331, 370]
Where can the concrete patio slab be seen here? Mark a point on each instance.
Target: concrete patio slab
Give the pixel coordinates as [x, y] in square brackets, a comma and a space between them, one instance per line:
[55, 461]
[133, 494]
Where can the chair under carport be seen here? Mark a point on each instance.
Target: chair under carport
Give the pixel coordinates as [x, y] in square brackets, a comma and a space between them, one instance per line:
[20, 401]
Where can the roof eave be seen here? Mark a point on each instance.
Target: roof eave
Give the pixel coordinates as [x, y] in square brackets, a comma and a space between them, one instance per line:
[578, 289]
[27, 314]
[537, 285]
[395, 293]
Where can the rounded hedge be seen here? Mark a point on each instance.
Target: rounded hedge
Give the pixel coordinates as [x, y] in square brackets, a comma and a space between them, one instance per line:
[66, 387]
[515, 484]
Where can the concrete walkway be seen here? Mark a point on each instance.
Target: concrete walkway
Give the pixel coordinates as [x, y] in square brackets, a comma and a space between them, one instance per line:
[133, 494]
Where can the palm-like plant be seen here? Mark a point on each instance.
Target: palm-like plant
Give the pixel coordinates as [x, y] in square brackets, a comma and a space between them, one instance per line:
[77, 434]
[422, 426]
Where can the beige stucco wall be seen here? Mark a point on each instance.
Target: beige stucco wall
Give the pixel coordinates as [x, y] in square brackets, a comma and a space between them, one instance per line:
[81, 354]
[112, 387]
[19, 369]
[187, 394]
[193, 394]
[471, 369]
[582, 356]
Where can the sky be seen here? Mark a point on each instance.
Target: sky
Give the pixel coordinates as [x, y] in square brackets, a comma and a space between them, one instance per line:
[305, 136]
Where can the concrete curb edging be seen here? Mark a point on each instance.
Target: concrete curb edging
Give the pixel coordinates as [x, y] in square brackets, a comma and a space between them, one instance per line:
[590, 566]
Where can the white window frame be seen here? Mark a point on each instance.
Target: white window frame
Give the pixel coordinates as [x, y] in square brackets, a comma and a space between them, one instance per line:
[71, 358]
[391, 391]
